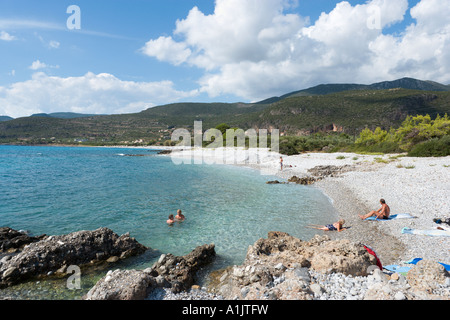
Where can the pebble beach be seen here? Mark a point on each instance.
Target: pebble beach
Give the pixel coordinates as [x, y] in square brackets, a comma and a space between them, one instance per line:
[418, 186]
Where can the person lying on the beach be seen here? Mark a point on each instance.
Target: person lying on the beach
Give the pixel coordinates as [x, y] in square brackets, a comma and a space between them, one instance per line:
[179, 215]
[337, 226]
[170, 220]
[382, 213]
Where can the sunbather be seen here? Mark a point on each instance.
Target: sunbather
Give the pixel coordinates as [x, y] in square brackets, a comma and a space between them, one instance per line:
[382, 213]
[337, 226]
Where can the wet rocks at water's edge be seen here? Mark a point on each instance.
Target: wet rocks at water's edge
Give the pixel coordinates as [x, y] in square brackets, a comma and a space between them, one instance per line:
[279, 267]
[12, 240]
[282, 267]
[53, 254]
[176, 274]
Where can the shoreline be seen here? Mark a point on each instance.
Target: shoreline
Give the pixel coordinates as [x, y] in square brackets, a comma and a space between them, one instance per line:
[410, 185]
[417, 186]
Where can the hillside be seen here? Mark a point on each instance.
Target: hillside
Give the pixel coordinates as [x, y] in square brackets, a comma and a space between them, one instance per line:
[343, 111]
[5, 118]
[63, 115]
[352, 111]
[404, 83]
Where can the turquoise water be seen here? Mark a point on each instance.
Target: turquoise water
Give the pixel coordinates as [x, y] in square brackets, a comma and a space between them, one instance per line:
[58, 190]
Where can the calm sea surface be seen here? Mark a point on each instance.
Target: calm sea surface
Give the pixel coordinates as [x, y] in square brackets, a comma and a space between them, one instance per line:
[58, 190]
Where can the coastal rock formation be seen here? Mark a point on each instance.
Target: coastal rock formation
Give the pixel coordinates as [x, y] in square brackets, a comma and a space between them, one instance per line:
[176, 273]
[329, 171]
[427, 274]
[56, 253]
[318, 173]
[278, 267]
[12, 240]
[304, 180]
[122, 285]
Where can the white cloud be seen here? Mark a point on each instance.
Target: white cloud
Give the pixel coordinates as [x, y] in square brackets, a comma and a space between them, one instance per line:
[255, 49]
[164, 48]
[53, 44]
[36, 65]
[5, 36]
[92, 93]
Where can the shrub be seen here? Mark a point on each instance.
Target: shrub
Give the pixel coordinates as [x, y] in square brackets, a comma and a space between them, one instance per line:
[432, 148]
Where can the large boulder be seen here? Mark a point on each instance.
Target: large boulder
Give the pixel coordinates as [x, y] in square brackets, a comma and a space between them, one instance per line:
[180, 271]
[427, 275]
[342, 257]
[122, 285]
[174, 272]
[278, 267]
[57, 252]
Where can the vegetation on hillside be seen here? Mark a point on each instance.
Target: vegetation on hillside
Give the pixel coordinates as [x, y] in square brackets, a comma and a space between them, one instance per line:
[418, 136]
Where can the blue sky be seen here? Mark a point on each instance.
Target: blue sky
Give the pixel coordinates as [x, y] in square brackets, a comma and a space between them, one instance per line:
[135, 54]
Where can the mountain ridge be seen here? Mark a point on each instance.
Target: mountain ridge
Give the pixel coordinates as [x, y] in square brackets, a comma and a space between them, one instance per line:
[348, 111]
[404, 83]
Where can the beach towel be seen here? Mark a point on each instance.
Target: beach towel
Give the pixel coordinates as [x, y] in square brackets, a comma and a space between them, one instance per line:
[415, 260]
[433, 233]
[392, 217]
[372, 252]
[397, 269]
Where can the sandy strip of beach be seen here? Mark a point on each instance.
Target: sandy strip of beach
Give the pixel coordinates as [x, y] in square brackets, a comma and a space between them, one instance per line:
[418, 186]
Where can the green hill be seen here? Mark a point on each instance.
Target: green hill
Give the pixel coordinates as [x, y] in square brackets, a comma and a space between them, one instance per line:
[352, 111]
[5, 118]
[344, 111]
[404, 83]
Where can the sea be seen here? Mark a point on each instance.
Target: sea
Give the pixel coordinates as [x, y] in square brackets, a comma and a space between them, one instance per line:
[58, 190]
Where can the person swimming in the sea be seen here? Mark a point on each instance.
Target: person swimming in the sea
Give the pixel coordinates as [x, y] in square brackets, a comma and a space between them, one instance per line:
[170, 220]
[337, 226]
[179, 216]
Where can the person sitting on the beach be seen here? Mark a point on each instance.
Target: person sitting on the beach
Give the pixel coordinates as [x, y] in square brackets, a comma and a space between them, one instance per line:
[179, 215]
[337, 226]
[382, 213]
[170, 220]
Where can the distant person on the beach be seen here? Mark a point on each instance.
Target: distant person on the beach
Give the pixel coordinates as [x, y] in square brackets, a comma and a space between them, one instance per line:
[337, 226]
[179, 215]
[281, 163]
[170, 220]
[382, 213]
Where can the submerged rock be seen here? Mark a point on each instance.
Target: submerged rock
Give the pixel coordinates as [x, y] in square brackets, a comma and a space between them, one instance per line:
[54, 253]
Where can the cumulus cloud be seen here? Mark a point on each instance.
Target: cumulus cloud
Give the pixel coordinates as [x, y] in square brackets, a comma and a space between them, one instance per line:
[256, 48]
[92, 93]
[5, 36]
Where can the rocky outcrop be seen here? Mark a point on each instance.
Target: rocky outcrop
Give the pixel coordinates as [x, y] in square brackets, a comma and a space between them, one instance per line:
[427, 274]
[428, 280]
[304, 180]
[12, 240]
[56, 253]
[122, 285]
[278, 267]
[329, 171]
[174, 272]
